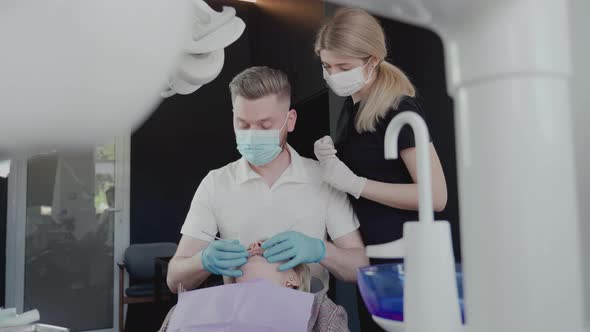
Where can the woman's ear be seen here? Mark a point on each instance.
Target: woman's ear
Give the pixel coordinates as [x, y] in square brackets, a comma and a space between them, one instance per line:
[375, 62]
[293, 280]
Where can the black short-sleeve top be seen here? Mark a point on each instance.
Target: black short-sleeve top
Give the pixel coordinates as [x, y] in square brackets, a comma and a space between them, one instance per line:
[363, 153]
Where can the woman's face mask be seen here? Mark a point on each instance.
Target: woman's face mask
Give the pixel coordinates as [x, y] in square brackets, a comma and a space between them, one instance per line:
[260, 147]
[348, 82]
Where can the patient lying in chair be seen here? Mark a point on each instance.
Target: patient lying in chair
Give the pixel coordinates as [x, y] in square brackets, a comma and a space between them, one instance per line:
[259, 268]
[325, 314]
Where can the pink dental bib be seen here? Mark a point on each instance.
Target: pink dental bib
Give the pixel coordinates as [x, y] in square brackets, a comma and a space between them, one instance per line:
[256, 306]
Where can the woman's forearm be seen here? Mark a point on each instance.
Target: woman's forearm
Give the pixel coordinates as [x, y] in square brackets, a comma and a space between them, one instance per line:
[405, 196]
[401, 196]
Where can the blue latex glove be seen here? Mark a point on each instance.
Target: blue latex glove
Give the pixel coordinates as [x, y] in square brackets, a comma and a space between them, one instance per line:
[222, 257]
[295, 247]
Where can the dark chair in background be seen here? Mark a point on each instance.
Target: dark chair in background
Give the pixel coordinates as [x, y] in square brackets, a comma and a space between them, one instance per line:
[145, 286]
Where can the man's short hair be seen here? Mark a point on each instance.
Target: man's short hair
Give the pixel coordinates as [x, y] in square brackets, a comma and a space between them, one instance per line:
[257, 82]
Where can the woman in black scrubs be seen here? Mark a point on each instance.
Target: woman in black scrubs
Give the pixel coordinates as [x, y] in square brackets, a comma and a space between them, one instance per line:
[383, 193]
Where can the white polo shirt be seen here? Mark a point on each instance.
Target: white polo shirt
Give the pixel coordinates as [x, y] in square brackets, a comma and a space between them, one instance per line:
[236, 201]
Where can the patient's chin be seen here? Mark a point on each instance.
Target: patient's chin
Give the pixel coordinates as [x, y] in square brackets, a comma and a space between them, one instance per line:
[258, 268]
[257, 258]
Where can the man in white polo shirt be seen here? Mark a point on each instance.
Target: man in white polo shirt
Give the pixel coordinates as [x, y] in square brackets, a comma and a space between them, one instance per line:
[271, 193]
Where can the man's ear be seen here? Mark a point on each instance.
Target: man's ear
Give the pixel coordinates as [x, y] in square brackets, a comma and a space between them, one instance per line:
[292, 120]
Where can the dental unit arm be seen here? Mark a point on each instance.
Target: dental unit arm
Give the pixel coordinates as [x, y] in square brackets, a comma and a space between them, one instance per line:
[204, 54]
[102, 66]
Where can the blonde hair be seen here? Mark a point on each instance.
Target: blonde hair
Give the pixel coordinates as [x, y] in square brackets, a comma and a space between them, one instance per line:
[355, 33]
[258, 82]
[302, 270]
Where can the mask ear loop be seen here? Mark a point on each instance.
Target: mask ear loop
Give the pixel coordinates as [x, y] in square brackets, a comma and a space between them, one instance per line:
[372, 69]
[283, 126]
[286, 120]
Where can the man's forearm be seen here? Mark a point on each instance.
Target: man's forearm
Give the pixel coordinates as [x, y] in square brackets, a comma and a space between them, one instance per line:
[343, 262]
[187, 271]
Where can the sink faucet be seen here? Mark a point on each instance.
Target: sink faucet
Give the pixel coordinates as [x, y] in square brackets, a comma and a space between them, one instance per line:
[421, 138]
[431, 302]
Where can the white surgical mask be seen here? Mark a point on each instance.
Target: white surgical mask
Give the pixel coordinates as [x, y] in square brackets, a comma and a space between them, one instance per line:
[348, 82]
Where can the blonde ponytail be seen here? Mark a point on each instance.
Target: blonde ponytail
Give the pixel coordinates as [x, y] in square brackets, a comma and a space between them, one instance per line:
[387, 89]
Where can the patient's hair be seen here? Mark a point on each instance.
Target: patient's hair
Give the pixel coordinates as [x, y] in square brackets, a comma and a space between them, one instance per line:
[258, 82]
[302, 270]
[304, 273]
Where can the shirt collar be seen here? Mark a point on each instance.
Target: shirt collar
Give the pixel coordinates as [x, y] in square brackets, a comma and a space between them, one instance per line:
[295, 172]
